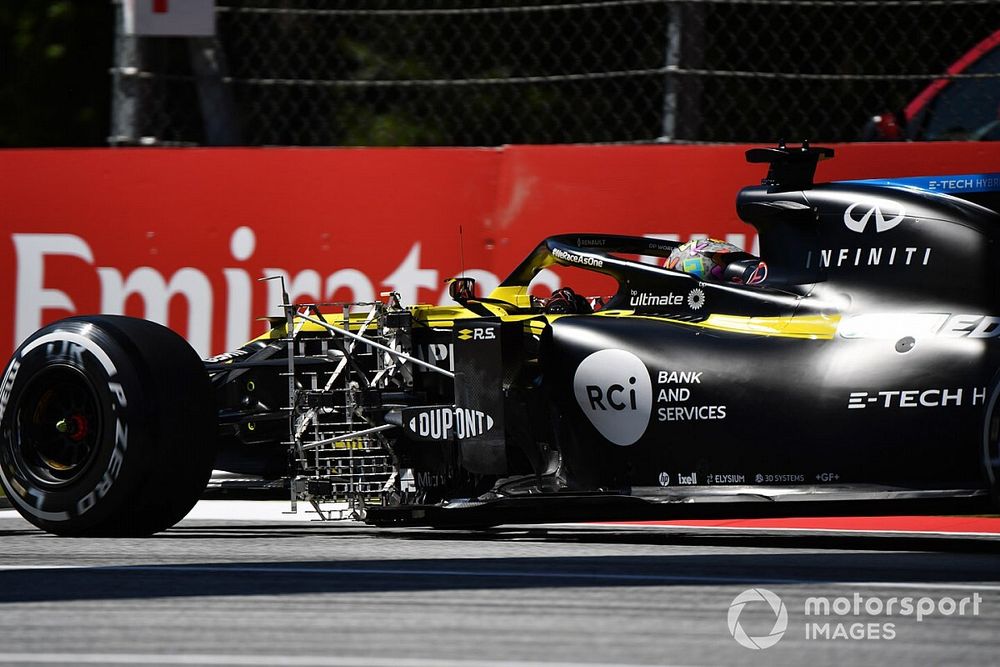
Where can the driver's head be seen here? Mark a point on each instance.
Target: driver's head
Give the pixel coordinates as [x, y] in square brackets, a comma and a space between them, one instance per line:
[701, 258]
[716, 261]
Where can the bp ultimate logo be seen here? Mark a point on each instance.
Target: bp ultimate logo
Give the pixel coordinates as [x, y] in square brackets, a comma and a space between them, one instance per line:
[613, 389]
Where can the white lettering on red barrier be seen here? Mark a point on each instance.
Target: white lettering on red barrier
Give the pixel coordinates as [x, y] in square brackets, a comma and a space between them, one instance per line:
[37, 292]
[156, 291]
[31, 295]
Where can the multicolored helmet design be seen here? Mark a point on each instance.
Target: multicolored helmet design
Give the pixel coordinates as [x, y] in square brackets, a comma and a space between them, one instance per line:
[707, 259]
[699, 258]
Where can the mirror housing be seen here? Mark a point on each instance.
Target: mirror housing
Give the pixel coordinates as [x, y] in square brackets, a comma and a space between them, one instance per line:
[462, 289]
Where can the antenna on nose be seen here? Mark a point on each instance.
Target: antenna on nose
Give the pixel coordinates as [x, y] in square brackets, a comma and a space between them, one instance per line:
[461, 248]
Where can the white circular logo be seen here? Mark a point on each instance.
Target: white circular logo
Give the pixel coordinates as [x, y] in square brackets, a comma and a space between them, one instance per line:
[696, 298]
[664, 479]
[749, 596]
[613, 389]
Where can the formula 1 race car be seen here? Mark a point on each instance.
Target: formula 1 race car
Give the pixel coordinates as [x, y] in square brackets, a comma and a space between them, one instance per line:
[851, 366]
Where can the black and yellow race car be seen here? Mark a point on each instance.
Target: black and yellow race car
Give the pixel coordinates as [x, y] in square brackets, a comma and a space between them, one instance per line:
[852, 367]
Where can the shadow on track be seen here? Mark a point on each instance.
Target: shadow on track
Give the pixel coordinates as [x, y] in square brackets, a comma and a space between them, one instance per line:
[748, 540]
[445, 574]
[667, 536]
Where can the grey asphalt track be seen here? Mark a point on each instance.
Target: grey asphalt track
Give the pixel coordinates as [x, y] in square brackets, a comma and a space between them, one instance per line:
[272, 593]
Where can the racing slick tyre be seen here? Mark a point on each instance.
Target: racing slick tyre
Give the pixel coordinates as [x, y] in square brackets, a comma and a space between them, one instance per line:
[107, 427]
[991, 445]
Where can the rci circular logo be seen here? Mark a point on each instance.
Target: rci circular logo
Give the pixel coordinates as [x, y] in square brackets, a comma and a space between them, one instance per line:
[780, 618]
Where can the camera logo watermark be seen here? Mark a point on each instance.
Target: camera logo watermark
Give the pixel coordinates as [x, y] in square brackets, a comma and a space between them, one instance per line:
[858, 617]
[758, 595]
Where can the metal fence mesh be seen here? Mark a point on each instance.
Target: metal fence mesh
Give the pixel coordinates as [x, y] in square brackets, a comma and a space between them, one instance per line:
[486, 72]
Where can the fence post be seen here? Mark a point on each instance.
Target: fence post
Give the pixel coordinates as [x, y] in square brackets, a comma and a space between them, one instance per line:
[668, 132]
[682, 93]
[126, 102]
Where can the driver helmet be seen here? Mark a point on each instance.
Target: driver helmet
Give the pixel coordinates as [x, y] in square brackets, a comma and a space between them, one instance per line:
[717, 261]
[701, 258]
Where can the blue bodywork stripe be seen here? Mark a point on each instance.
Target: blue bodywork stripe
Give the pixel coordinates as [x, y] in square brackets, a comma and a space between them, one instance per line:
[950, 185]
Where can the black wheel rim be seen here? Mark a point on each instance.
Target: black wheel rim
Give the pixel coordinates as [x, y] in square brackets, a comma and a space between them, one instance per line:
[58, 426]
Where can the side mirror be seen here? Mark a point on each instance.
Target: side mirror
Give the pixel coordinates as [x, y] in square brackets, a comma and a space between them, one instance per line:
[462, 289]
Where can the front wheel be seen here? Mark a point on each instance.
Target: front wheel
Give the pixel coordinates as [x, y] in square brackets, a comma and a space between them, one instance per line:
[991, 445]
[107, 427]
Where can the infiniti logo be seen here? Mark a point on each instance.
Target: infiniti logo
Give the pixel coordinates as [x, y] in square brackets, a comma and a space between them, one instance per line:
[879, 210]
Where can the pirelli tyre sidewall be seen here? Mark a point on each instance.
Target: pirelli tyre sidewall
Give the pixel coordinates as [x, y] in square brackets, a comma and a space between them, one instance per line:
[991, 442]
[88, 409]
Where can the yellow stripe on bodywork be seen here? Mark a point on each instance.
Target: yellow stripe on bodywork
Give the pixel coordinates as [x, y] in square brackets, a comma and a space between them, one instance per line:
[278, 330]
[446, 316]
[816, 327]
[432, 316]
[820, 327]
[516, 295]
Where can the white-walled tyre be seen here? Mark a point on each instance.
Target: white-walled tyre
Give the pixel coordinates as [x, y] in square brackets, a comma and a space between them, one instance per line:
[107, 427]
[991, 445]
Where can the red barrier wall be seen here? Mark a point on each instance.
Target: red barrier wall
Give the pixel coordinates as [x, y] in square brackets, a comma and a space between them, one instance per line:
[181, 236]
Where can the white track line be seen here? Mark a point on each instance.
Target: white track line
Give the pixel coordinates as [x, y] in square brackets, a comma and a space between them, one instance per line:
[780, 529]
[252, 510]
[238, 510]
[279, 511]
[505, 574]
[269, 660]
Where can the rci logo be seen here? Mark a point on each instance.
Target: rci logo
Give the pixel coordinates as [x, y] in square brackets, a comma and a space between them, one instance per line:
[865, 212]
[753, 595]
[479, 333]
[613, 389]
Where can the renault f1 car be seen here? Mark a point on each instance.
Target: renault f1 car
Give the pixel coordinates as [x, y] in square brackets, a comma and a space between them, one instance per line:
[861, 372]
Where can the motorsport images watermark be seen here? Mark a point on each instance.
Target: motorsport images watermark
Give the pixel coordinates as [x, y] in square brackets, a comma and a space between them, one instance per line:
[858, 617]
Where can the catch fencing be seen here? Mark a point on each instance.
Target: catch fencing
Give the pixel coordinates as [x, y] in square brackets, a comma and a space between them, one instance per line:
[493, 72]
